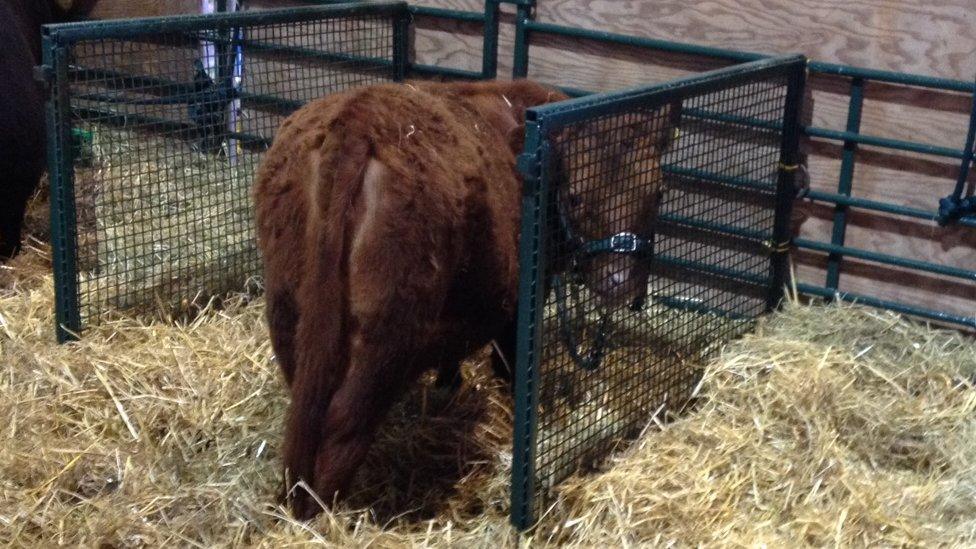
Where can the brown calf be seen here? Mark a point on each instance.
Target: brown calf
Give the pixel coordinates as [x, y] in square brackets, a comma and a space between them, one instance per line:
[388, 219]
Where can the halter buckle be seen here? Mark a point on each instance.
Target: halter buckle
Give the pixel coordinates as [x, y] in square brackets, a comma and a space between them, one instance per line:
[624, 242]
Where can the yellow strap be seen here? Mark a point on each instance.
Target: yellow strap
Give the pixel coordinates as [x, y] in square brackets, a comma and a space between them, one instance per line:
[791, 168]
[782, 247]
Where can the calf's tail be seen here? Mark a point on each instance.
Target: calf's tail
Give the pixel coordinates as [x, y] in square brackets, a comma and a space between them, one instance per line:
[322, 335]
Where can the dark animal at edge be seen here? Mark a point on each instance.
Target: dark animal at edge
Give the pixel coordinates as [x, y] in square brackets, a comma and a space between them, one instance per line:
[388, 220]
[22, 133]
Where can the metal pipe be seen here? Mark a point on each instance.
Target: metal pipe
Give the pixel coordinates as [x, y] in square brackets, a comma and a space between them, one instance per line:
[878, 206]
[786, 189]
[434, 70]
[453, 15]
[885, 259]
[489, 48]
[532, 290]
[968, 321]
[401, 46]
[523, 23]
[845, 182]
[884, 142]
[64, 234]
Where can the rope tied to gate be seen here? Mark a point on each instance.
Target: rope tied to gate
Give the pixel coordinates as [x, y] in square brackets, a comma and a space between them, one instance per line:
[778, 248]
[592, 359]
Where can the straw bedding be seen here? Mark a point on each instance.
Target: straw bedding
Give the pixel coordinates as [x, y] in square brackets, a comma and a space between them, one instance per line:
[829, 426]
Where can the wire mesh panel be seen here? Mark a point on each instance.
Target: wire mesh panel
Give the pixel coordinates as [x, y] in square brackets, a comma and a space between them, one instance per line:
[655, 225]
[157, 126]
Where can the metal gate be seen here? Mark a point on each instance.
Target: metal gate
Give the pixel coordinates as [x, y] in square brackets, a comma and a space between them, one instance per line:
[655, 228]
[155, 128]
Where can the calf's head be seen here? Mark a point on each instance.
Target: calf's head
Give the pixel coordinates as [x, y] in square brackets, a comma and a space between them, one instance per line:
[609, 184]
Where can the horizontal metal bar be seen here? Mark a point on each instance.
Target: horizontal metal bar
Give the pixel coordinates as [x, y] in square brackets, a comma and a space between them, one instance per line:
[584, 108]
[713, 270]
[162, 87]
[729, 118]
[434, 70]
[835, 135]
[744, 56]
[704, 232]
[147, 26]
[895, 306]
[444, 13]
[732, 181]
[907, 79]
[875, 205]
[142, 123]
[884, 142]
[344, 58]
[122, 80]
[263, 102]
[716, 227]
[673, 302]
[886, 259]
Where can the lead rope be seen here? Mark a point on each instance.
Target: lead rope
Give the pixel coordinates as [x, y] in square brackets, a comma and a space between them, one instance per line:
[592, 359]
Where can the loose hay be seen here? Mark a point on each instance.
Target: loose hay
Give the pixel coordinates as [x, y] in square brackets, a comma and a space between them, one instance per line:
[831, 425]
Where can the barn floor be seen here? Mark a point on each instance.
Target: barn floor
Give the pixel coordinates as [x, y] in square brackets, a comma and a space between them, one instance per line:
[830, 426]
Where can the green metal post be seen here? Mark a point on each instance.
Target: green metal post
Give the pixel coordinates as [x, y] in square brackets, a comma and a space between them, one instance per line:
[846, 182]
[532, 288]
[63, 213]
[489, 52]
[401, 45]
[520, 63]
[786, 184]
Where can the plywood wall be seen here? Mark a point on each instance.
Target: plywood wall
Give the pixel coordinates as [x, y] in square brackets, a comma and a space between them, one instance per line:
[931, 38]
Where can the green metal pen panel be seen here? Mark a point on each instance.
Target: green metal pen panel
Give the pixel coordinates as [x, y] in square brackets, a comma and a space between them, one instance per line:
[655, 228]
[156, 127]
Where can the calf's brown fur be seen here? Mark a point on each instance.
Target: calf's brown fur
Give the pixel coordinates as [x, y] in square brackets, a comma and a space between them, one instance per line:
[388, 221]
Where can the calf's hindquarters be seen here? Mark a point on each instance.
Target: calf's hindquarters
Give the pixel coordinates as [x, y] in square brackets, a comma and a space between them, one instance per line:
[388, 222]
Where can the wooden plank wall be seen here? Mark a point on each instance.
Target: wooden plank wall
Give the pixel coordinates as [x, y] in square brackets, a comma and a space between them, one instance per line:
[931, 38]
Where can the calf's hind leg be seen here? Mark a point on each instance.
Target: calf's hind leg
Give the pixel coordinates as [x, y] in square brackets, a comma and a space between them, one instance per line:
[376, 379]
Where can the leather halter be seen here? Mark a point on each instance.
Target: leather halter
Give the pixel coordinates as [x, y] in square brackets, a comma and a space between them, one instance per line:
[580, 250]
